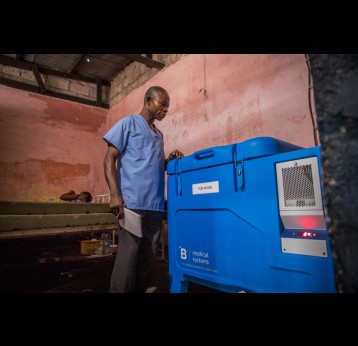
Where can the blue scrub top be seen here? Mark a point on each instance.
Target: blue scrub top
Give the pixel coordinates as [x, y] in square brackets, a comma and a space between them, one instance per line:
[140, 168]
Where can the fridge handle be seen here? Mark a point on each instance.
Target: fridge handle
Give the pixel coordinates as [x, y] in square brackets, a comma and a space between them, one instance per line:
[204, 154]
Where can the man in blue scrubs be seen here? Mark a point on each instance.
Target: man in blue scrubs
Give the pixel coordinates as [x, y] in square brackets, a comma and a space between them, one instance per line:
[134, 167]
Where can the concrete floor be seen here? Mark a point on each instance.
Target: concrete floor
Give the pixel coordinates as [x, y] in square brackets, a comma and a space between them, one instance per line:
[54, 264]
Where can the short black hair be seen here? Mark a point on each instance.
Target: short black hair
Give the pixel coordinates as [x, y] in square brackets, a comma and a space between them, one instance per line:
[153, 90]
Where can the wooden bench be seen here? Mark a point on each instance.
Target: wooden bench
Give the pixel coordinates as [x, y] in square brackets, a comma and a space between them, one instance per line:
[27, 219]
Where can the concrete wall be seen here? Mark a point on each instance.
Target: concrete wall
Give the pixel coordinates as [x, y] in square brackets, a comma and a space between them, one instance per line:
[48, 146]
[136, 74]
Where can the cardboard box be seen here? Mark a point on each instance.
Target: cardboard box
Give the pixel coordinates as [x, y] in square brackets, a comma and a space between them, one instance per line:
[89, 247]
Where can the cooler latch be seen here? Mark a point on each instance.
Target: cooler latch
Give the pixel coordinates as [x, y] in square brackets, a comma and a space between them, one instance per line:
[239, 169]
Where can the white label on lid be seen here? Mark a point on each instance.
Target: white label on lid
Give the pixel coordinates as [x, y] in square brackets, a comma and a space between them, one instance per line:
[209, 187]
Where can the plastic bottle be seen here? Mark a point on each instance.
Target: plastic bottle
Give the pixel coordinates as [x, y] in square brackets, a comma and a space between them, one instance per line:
[106, 244]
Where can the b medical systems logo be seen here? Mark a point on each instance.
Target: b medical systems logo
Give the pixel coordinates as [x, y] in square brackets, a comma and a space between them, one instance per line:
[183, 253]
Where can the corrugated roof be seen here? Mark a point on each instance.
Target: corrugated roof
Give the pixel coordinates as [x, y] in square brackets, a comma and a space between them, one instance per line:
[92, 68]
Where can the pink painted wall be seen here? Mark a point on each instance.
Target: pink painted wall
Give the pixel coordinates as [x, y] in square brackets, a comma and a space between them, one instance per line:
[48, 146]
[219, 99]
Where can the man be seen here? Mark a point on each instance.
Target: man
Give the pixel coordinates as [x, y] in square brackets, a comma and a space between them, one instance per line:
[134, 167]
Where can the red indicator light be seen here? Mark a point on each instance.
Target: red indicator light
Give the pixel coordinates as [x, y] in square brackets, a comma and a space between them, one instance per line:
[305, 234]
[308, 222]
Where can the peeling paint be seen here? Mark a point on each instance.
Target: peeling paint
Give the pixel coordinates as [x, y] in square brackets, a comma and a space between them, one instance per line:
[54, 171]
[297, 119]
[46, 154]
[81, 117]
[37, 178]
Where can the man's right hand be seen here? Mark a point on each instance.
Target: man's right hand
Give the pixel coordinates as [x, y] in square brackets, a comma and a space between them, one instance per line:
[117, 205]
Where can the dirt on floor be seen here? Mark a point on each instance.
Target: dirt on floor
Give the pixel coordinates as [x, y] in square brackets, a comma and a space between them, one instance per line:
[54, 264]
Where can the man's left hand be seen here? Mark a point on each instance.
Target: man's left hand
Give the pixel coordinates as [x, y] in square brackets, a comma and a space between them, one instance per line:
[175, 154]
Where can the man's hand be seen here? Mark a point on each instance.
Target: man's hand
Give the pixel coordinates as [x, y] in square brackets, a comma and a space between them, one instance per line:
[175, 154]
[117, 205]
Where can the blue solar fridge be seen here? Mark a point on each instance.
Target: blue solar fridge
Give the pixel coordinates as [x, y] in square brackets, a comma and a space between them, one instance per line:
[249, 217]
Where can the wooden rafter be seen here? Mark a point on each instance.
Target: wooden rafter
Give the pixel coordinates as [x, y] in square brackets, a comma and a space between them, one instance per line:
[143, 60]
[4, 60]
[77, 63]
[38, 78]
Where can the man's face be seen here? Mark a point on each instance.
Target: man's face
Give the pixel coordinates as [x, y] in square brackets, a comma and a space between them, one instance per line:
[158, 106]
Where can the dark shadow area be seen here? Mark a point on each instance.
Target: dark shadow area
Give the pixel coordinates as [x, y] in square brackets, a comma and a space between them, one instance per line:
[335, 82]
[54, 264]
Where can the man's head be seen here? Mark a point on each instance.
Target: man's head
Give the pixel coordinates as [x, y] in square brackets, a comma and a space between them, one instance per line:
[156, 102]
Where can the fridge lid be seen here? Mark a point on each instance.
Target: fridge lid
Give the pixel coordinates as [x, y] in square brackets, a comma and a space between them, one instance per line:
[250, 149]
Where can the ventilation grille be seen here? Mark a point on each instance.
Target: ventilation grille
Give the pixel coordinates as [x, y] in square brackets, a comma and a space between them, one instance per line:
[298, 188]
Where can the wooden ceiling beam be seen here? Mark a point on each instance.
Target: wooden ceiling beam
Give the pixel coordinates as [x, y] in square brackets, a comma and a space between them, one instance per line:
[4, 60]
[28, 87]
[38, 78]
[77, 63]
[143, 60]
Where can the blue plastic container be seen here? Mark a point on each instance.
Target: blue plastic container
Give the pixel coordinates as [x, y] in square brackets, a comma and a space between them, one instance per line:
[249, 217]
